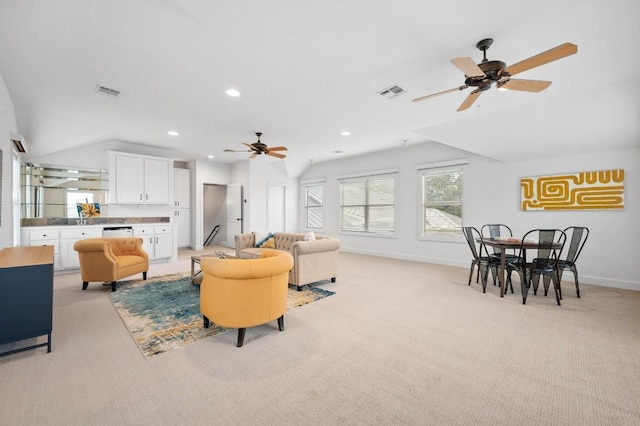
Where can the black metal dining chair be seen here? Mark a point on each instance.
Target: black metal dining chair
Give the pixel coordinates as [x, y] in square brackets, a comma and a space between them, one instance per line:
[497, 230]
[538, 256]
[578, 236]
[481, 257]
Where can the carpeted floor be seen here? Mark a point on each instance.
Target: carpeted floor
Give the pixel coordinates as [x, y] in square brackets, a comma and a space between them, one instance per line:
[162, 313]
[401, 343]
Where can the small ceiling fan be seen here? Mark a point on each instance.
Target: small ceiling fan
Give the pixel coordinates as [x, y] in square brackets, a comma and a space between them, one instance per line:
[259, 148]
[483, 75]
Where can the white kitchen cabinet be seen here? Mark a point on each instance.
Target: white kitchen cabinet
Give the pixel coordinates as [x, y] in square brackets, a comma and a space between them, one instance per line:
[182, 205]
[142, 180]
[157, 240]
[182, 188]
[182, 219]
[45, 237]
[68, 237]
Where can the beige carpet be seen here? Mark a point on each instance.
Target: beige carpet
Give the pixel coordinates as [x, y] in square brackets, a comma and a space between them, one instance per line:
[400, 343]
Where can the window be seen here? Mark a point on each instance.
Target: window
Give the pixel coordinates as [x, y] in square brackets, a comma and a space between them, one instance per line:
[442, 202]
[313, 203]
[368, 204]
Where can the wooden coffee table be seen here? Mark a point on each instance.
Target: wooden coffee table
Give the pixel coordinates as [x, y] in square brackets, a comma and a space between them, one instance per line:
[195, 278]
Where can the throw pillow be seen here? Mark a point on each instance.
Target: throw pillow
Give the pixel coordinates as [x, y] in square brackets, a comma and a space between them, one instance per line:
[309, 236]
[265, 241]
[259, 236]
[269, 242]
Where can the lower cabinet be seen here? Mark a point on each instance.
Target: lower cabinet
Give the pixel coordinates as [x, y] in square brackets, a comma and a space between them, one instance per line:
[68, 237]
[157, 240]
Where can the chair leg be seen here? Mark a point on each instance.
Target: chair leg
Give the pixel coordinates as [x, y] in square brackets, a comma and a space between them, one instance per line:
[281, 323]
[113, 286]
[471, 273]
[535, 282]
[485, 276]
[205, 321]
[575, 275]
[556, 286]
[85, 284]
[241, 336]
[144, 275]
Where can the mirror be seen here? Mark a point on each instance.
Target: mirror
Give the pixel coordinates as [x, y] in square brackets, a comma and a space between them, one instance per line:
[55, 191]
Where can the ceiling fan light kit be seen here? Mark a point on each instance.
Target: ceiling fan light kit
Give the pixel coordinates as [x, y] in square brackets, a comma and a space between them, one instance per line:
[482, 76]
[259, 148]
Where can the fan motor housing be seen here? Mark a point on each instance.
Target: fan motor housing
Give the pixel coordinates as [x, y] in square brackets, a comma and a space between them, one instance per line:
[493, 70]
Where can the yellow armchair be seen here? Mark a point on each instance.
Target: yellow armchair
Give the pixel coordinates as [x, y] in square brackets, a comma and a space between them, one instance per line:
[110, 259]
[241, 293]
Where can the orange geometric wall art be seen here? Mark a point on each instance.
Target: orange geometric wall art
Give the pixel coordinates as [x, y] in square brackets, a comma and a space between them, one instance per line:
[600, 190]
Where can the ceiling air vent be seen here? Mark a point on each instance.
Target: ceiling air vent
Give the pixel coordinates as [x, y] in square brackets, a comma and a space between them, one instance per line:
[392, 92]
[107, 91]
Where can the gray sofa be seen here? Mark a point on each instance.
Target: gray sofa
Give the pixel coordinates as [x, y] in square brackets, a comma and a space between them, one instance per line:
[313, 261]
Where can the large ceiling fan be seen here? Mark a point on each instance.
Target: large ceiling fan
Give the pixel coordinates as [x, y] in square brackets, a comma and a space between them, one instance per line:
[483, 75]
[259, 148]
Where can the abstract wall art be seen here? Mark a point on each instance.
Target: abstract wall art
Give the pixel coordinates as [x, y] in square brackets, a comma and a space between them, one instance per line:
[599, 190]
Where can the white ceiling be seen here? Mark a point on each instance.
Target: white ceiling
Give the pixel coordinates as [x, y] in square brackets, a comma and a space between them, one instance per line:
[308, 70]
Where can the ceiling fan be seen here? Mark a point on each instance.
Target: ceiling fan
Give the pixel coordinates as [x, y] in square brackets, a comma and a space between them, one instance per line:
[259, 148]
[483, 75]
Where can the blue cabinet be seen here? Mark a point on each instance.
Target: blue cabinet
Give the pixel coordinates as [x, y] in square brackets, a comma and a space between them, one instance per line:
[26, 296]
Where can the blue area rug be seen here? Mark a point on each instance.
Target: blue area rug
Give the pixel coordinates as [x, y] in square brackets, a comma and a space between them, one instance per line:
[163, 313]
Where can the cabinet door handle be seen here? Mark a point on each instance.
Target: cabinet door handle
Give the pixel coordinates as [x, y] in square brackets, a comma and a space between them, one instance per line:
[146, 196]
[150, 240]
[140, 197]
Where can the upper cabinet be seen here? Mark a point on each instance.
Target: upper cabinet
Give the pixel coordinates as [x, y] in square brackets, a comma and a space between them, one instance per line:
[141, 179]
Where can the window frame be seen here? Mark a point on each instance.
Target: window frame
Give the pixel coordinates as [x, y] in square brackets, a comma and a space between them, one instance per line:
[305, 207]
[433, 170]
[388, 174]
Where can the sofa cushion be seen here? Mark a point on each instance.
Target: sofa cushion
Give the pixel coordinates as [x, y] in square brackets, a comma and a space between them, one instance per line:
[310, 236]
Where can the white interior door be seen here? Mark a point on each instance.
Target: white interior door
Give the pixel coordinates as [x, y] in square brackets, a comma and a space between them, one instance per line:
[234, 212]
[275, 207]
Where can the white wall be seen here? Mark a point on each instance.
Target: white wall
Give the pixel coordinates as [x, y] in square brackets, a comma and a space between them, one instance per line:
[492, 195]
[7, 126]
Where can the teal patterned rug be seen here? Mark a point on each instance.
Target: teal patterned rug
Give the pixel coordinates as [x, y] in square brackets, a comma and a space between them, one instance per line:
[163, 313]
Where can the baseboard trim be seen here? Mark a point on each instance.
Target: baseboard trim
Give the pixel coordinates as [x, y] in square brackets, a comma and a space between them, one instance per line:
[567, 276]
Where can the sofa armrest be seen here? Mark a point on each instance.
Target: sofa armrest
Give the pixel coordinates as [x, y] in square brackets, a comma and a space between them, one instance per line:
[316, 246]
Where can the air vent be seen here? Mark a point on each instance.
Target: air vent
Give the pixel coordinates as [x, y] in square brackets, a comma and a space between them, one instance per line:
[392, 92]
[107, 91]
[19, 143]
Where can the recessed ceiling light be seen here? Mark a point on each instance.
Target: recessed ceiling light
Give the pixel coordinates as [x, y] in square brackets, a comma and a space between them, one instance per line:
[210, 156]
[233, 93]
[345, 133]
[338, 152]
[173, 133]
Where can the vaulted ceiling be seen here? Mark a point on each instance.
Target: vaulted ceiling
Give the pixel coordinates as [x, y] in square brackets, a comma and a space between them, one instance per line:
[306, 71]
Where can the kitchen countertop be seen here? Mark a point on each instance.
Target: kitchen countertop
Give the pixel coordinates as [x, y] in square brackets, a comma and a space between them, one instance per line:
[63, 221]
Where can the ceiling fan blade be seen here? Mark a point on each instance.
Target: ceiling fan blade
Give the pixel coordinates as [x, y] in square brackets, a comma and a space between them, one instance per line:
[275, 154]
[251, 147]
[524, 85]
[254, 155]
[237, 150]
[433, 95]
[558, 52]
[277, 148]
[468, 67]
[470, 99]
